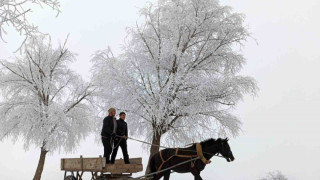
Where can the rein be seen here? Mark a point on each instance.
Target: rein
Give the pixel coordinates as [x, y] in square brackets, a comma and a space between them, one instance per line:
[144, 142]
[198, 151]
[193, 157]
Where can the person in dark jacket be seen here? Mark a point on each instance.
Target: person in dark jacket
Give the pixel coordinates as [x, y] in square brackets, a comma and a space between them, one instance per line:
[122, 130]
[108, 133]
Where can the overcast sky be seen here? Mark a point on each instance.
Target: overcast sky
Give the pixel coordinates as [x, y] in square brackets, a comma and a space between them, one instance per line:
[280, 126]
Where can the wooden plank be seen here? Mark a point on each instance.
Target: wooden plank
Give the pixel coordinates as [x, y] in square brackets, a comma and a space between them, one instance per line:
[81, 162]
[95, 165]
[132, 161]
[62, 164]
[123, 168]
[103, 164]
[77, 164]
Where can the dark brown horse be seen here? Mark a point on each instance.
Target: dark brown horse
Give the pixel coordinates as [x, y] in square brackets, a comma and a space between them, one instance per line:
[167, 158]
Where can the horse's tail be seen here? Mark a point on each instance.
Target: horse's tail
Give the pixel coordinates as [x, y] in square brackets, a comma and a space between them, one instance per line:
[152, 165]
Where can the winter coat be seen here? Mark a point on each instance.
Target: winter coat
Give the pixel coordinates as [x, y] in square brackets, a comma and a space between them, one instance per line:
[107, 128]
[122, 129]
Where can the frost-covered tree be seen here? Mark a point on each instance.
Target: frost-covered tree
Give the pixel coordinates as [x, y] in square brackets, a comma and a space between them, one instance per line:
[44, 101]
[275, 175]
[178, 74]
[14, 13]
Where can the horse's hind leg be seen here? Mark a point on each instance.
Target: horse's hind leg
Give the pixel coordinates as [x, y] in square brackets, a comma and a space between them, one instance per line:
[167, 175]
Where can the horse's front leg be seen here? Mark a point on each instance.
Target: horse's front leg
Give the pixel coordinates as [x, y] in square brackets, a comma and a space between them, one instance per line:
[197, 177]
[167, 175]
[196, 174]
[158, 176]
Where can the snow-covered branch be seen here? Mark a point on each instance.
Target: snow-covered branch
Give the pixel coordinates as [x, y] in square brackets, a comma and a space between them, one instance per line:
[14, 13]
[44, 100]
[178, 74]
[275, 175]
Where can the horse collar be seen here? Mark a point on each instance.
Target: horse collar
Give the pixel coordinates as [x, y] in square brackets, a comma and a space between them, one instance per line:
[200, 153]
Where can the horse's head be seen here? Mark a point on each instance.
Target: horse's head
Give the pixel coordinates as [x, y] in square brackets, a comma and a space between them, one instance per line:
[225, 149]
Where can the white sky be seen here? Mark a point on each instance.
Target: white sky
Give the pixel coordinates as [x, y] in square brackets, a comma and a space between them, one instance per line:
[280, 125]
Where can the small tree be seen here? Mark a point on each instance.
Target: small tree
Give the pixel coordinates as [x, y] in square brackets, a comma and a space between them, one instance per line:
[275, 175]
[14, 13]
[44, 101]
[178, 74]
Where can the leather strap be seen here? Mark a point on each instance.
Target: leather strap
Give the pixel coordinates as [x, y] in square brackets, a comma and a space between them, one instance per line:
[200, 153]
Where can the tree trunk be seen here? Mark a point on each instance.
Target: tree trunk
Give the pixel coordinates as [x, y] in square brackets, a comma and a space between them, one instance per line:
[154, 149]
[42, 159]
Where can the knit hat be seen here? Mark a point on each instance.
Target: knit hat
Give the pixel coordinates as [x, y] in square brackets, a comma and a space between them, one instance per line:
[111, 109]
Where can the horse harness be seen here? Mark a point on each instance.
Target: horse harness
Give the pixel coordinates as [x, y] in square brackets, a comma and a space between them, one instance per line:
[199, 154]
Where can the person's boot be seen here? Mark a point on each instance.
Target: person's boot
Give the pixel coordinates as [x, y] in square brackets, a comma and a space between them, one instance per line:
[108, 159]
[113, 158]
[126, 160]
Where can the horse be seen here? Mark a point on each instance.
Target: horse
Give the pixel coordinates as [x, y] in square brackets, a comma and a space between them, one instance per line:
[201, 153]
